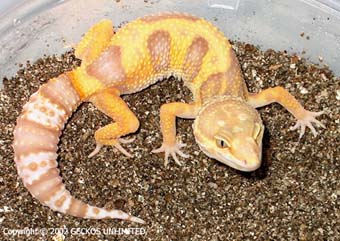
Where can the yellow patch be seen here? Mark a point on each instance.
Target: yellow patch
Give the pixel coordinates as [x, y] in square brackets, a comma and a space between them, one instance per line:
[84, 83]
[136, 58]
[135, 54]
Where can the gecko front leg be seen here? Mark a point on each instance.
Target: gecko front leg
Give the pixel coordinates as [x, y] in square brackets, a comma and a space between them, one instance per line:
[168, 114]
[109, 102]
[278, 94]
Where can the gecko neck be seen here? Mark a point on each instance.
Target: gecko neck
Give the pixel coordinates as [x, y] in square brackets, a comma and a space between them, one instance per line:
[219, 98]
[222, 87]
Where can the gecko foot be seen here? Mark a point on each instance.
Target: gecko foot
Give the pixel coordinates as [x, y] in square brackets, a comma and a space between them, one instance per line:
[117, 145]
[171, 150]
[308, 121]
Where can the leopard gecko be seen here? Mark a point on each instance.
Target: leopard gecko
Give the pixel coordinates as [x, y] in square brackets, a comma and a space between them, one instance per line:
[227, 126]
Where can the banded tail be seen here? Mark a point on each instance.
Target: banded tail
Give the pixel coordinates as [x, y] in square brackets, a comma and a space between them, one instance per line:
[36, 137]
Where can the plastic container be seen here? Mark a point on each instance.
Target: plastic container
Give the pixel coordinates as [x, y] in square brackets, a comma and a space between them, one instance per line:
[30, 29]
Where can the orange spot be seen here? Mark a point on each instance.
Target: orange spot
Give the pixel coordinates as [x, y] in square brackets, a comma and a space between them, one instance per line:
[212, 85]
[43, 164]
[77, 208]
[60, 201]
[50, 113]
[196, 52]
[33, 166]
[159, 47]
[43, 109]
[96, 211]
[108, 68]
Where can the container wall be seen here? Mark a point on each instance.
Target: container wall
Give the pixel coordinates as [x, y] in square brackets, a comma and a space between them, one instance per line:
[30, 29]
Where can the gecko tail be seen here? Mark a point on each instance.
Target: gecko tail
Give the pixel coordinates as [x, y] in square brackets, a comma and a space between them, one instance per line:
[35, 145]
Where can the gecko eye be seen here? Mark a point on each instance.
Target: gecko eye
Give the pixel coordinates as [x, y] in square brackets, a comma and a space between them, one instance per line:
[222, 143]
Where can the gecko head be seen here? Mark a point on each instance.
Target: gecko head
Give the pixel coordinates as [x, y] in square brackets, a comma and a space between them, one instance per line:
[230, 131]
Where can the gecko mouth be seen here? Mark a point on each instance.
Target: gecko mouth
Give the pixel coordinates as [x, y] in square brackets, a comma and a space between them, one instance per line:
[232, 162]
[242, 165]
[227, 160]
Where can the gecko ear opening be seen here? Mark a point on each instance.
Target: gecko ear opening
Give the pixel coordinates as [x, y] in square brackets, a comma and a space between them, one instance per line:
[257, 130]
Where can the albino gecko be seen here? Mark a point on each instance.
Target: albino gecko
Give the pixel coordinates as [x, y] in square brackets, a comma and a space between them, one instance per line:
[227, 126]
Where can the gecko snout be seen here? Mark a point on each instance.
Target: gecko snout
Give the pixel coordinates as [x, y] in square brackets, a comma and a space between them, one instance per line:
[247, 153]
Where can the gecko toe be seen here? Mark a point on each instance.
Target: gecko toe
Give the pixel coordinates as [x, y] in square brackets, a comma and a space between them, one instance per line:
[127, 140]
[296, 126]
[182, 154]
[302, 130]
[319, 123]
[315, 114]
[158, 150]
[122, 150]
[116, 144]
[95, 151]
[311, 127]
[172, 150]
[308, 120]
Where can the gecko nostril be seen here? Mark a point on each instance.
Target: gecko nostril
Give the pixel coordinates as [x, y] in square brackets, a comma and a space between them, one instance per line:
[245, 161]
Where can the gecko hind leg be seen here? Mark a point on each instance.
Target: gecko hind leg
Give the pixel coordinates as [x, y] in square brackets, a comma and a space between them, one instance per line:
[109, 102]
